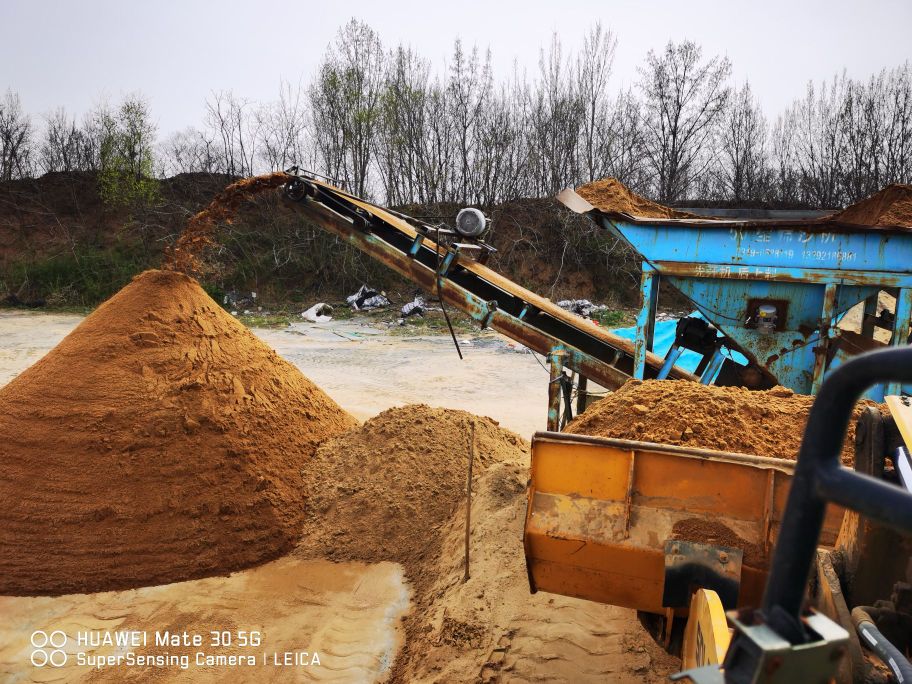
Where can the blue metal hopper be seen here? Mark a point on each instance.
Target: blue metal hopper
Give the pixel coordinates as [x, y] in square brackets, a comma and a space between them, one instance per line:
[775, 289]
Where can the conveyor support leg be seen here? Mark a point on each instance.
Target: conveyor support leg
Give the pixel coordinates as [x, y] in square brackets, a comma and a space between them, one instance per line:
[649, 292]
[900, 329]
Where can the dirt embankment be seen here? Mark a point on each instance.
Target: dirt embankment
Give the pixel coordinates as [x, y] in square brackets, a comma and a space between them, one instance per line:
[61, 245]
[159, 441]
[768, 423]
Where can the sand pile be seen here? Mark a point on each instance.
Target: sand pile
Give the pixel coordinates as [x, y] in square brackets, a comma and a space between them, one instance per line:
[613, 197]
[769, 423]
[159, 441]
[199, 233]
[891, 206]
[383, 491]
[492, 629]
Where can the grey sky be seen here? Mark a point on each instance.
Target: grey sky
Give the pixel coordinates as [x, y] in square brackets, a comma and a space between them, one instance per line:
[72, 53]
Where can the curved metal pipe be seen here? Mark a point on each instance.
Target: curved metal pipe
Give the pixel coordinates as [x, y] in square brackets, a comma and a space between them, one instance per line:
[819, 477]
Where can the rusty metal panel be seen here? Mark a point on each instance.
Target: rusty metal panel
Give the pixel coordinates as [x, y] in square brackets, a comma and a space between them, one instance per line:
[600, 511]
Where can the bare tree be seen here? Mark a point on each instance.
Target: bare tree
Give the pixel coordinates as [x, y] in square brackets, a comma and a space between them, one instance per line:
[345, 104]
[189, 151]
[555, 122]
[63, 143]
[283, 129]
[593, 69]
[15, 138]
[236, 128]
[819, 139]
[742, 166]
[684, 97]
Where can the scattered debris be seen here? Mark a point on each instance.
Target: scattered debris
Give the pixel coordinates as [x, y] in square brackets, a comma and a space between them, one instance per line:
[239, 300]
[367, 298]
[581, 307]
[416, 307]
[318, 313]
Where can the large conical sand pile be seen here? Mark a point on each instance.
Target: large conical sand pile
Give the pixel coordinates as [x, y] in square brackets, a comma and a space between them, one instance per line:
[159, 441]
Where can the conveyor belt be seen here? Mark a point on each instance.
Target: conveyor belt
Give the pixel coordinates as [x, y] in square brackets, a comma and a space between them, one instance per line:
[409, 247]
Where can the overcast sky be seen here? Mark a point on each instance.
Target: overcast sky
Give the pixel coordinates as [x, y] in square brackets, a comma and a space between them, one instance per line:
[55, 52]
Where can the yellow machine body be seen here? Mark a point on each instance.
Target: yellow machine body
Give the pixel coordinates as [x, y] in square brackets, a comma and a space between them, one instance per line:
[707, 635]
[600, 510]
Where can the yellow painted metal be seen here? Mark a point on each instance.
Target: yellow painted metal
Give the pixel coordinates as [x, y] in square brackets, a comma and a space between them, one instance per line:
[599, 512]
[706, 636]
[902, 414]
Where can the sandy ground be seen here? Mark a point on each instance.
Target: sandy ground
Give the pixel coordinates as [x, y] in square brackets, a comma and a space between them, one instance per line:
[347, 614]
[489, 629]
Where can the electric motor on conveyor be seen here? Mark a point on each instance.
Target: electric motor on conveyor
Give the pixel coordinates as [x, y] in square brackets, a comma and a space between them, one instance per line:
[774, 289]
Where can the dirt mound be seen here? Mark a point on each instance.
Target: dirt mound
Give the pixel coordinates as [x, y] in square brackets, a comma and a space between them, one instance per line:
[382, 491]
[891, 206]
[491, 629]
[769, 423]
[613, 197]
[159, 441]
[199, 232]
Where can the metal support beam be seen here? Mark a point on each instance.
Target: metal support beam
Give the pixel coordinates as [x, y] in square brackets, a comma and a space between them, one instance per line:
[712, 370]
[649, 292]
[867, 320]
[671, 358]
[823, 342]
[901, 324]
[556, 366]
[582, 399]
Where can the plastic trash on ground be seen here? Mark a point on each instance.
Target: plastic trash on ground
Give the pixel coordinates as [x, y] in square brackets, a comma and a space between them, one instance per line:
[581, 307]
[416, 307]
[318, 313]
[367, 298]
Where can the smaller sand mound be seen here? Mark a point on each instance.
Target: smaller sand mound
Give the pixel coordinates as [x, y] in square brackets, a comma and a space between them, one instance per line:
[891, 206]
[382, 491]
[613, 197]
[769, 423]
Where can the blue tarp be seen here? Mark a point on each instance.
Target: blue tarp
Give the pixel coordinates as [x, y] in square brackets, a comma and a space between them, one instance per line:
[664, 338]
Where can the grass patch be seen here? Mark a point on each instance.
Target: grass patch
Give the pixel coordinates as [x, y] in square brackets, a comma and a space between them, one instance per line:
[610, 318]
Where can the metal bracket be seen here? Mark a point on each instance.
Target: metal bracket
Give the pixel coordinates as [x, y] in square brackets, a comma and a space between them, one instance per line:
[758, 653]
[689, 565]
[492, 309]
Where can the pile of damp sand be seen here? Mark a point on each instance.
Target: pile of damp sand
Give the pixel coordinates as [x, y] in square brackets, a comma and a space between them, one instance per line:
[613, 197]
[768, 423]
[891, 206]
[159, 441]
[394, 490]
[381, 492]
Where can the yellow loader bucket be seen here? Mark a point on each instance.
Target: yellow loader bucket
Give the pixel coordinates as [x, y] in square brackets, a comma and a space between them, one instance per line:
[600, 512]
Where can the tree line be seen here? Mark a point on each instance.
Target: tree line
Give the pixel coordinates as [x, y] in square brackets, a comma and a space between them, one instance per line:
[387, 125]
